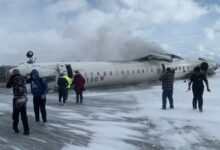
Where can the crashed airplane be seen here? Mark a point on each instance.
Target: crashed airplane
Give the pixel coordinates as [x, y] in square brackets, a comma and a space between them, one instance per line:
[145, 69]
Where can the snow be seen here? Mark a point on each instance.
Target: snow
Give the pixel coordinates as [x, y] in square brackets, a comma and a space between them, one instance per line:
[182, 126]
[120, 120]
[38, 140]
[3, 140]
[179, 128]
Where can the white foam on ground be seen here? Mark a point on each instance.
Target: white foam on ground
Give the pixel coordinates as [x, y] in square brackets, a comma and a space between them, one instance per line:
[3, 140]
[178, 129]
[38, 140]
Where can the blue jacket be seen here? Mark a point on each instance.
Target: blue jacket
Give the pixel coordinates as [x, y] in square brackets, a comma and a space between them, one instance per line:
[38, 86]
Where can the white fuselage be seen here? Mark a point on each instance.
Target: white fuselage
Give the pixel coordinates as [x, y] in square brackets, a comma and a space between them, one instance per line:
[112, 73]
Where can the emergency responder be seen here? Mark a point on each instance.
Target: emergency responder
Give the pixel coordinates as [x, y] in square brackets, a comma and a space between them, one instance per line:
[69, 82]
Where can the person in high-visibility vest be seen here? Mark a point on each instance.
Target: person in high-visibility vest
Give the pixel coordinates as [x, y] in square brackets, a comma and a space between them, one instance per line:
[69, 81]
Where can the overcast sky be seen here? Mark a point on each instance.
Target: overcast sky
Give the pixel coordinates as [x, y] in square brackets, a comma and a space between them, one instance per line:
[65, 30]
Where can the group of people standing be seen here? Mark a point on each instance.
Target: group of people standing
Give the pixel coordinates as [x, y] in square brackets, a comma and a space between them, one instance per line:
[39, 90]
[64, 83]
[196, 80]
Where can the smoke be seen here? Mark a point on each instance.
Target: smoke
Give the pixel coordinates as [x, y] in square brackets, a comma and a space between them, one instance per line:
[111, 45]
[104, 44]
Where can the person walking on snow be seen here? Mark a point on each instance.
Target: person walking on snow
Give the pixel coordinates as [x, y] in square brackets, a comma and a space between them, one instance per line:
[68, 86]
[38, 90]
[62, 88]
[196, 80]
[17, 81]
[167, 86]
[79, 86]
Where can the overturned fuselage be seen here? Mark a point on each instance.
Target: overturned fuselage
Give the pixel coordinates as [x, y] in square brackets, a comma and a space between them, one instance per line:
[146, 69]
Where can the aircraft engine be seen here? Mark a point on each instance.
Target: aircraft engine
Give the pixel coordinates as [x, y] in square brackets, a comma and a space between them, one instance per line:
[204, 66]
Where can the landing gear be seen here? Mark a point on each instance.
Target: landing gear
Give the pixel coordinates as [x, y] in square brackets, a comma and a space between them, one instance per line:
[30, 55]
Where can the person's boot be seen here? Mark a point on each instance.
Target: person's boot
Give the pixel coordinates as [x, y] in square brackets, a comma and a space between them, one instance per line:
[16, 130]
[26, 133]
[164, 107]
[36, 122]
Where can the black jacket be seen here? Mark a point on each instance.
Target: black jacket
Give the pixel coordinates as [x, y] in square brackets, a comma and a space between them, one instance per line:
[62, 84]
[197, 81]
[18, 84]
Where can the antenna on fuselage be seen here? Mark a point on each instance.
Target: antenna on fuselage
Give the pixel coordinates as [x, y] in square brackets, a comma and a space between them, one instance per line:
[30, 55]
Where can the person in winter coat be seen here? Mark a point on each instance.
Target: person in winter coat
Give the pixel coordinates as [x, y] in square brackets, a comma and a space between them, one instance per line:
[38, 90]
[62, 88]
[167, 86]
[198, 88]
[79, 86]
[69, 82]
[17, 81]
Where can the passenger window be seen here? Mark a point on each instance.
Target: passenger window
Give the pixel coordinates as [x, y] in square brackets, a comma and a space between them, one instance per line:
[110, 73]
[138, 71]
[179, 68]
[133, 71]
[122, 72]
[127, 71]
[142, 70]
[98, 73]
[152, 70]
[104, 73]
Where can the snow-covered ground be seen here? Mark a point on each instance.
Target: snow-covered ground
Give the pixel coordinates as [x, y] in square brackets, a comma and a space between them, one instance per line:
[123, 120]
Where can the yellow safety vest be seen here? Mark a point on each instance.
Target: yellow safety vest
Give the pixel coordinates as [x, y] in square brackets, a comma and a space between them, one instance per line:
[69, 81]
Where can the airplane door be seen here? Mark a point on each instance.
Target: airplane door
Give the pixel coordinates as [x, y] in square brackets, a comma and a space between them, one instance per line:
[61, 69]
[163, 68]
[69, 70]
[66, 69]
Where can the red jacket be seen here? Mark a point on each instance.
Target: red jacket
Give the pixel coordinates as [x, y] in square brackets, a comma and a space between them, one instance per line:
[79, 82]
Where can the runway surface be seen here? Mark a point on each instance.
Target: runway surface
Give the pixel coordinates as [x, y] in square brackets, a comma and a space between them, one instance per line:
[129, 119]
